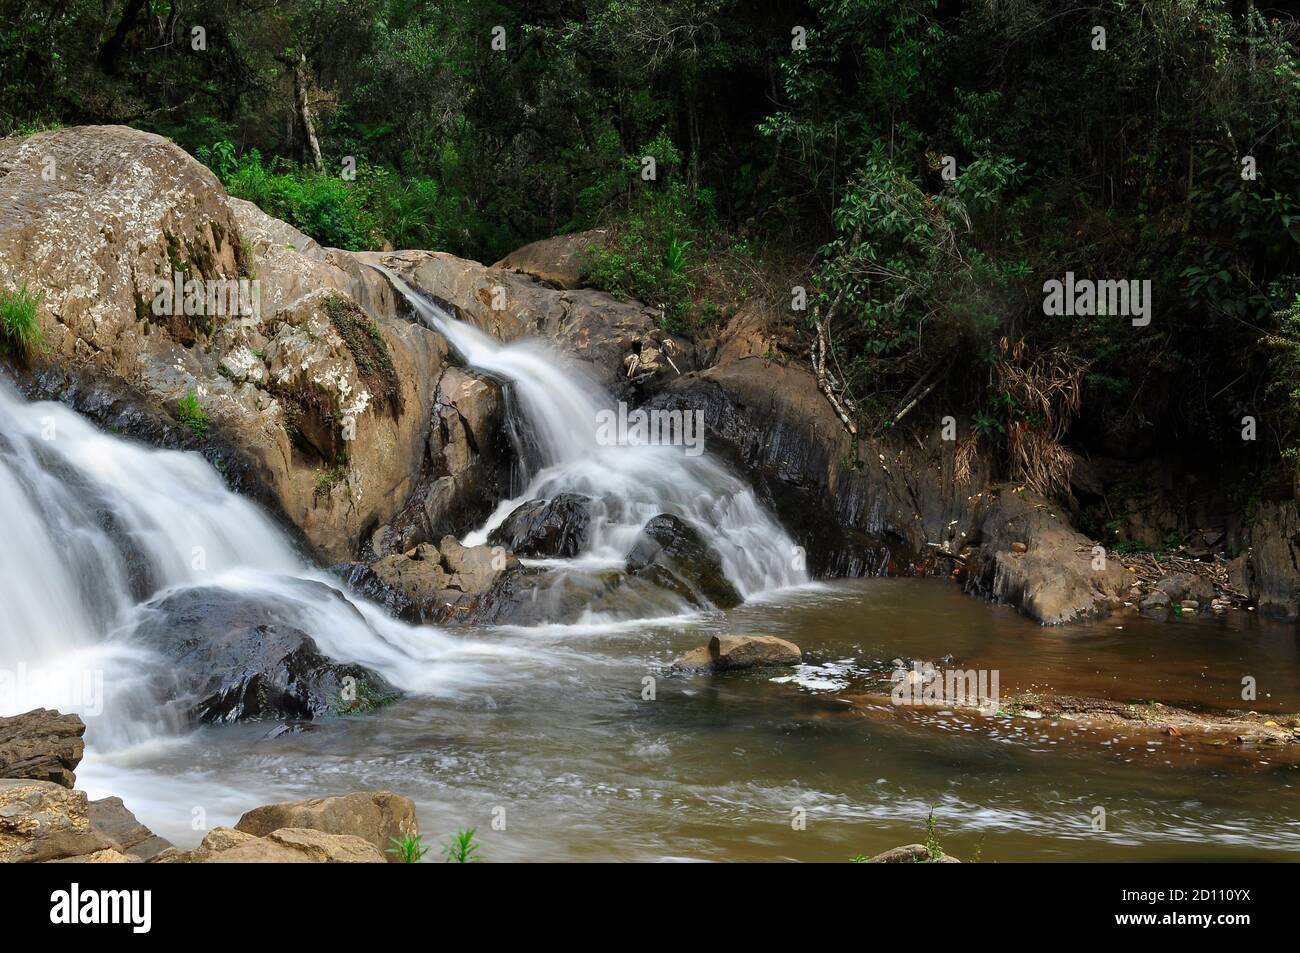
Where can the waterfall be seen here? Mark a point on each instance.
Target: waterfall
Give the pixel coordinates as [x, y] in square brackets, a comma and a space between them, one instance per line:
[97, 526]
[629, 484]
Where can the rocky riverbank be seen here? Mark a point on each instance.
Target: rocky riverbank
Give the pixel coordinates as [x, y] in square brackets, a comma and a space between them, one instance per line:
[44, 819]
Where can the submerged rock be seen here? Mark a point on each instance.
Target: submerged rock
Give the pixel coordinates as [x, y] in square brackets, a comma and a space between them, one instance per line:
[671, 553]
[241, 658]
[555, 528]
[42, 744]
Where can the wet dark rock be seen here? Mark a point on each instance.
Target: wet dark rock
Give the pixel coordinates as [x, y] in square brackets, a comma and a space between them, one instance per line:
[465, 472]
[671, 553]
[244, 658]
[42, 744]
[1186, 586]
[857, 507]
[555, 528]
[1155, 602]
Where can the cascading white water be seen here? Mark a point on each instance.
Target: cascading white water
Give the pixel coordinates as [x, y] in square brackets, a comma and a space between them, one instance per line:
[95, 525]
[629, 484]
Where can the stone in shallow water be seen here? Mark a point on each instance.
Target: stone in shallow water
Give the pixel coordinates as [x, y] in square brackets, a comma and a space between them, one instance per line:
[733, 652]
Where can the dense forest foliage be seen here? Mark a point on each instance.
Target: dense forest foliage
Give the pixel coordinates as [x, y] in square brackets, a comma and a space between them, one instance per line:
[921, 167]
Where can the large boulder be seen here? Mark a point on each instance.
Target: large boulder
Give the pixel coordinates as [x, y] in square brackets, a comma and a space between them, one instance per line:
[671, 553]
[43, 821]
[42, 744]
[1274, 564]
[377, 817]
[290, 845]
[1030, 556]
[559, 261]
[237, 658]
[323, 402]
[555, 528]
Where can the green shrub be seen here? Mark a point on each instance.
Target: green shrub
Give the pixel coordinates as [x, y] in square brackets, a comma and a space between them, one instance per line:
[646, 255]
[461, 848]
[410, 848]
[190, 413]
[375, 209]
[20, 325]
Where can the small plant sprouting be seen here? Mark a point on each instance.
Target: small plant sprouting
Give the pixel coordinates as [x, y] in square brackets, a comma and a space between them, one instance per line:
[932, 846]
[192, 415]
[461, 848]
[409, 847]
[20, 326]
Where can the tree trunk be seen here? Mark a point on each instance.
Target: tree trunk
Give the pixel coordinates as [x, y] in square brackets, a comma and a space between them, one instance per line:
[304, 111]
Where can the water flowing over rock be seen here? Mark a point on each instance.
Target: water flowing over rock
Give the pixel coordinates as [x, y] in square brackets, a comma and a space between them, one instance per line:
[672, 554]
[856, 508]
[628, 483]
[128, 210]
[546, 528]
[239, 658]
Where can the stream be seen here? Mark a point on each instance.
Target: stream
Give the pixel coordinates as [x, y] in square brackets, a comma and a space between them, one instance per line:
[559, 737]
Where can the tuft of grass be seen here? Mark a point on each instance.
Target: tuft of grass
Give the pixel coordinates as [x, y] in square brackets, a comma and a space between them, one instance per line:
[410, 848]
[327, 480]
[461, 848]
[20, 325]
[190, 413]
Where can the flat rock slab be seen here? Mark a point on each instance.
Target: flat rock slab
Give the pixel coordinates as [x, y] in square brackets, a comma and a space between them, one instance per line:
[42, 744]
